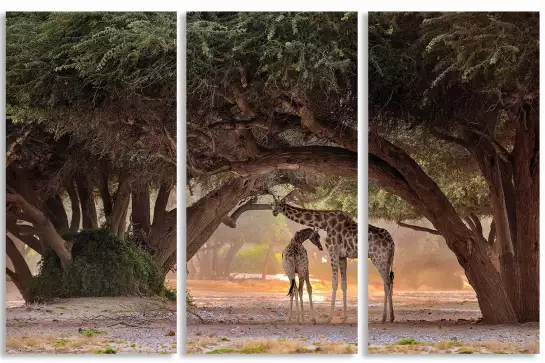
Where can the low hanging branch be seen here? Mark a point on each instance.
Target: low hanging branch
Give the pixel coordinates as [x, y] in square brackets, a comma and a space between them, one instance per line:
[231, 221]
[419, 228]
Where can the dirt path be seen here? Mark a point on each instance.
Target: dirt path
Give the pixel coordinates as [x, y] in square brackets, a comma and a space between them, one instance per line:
[443, 322]
[90, 325]
[248, 313]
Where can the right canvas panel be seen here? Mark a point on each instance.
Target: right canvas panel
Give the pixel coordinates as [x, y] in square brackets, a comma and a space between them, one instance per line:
[453, 182]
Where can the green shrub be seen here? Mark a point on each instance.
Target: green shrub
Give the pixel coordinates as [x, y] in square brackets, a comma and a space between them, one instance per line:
[169, 294]
[103, 265]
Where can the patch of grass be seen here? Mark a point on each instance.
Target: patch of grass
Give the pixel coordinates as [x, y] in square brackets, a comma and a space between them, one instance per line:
[90, 332]
[133, 345]
[59, 343]
[221, 351]
[253, 350]
[225, 339]
[107, 350]
[465, 351]
[406, 341]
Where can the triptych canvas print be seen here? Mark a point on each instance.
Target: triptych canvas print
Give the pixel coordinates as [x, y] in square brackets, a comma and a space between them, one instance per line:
[273, 118]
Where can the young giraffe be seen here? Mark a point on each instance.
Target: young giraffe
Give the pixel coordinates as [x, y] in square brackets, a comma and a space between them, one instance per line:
[295, 261]
[381, 253]
[341, 241]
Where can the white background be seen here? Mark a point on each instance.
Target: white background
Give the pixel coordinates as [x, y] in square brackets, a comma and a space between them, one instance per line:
[181, 7]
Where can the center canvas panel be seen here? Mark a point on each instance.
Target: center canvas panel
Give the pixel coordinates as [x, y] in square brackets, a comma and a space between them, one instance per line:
[272, 183]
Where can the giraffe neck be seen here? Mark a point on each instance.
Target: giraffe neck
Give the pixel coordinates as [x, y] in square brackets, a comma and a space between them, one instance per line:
[307, 217]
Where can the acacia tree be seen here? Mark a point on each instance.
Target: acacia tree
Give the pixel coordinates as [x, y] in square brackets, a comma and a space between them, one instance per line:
[271, 101]
[91, 122]
[471, 81]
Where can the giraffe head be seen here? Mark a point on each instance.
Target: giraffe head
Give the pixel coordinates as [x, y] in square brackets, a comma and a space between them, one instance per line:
[277, 205]
[315, 239]
[311, 234]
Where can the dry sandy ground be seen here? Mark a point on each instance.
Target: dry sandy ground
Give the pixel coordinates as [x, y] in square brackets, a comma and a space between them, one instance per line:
[443, 322]
[90, 325]
[250, 316]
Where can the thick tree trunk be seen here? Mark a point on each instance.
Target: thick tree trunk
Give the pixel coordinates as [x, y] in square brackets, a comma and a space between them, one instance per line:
[87, 200]
[104, 190]
[74, 202]
[56, 213]
[118, 217]
[48, 233]
[204, 217]
[526, 181]
[21, 274]
[159, 210]
[397, 172]
[162, 238]
[140, 212]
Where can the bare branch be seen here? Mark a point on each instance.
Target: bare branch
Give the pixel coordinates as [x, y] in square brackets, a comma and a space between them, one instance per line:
[419, 228]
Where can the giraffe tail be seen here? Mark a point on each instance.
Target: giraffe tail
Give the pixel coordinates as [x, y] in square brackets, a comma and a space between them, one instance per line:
[292, 287]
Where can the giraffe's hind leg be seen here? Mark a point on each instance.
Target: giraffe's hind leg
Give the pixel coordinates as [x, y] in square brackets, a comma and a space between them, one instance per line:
[309, 290]
[391, 285]
[296, 293]
[343, 267]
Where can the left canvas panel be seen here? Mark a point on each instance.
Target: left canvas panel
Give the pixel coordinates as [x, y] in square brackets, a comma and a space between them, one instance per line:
[90, 182]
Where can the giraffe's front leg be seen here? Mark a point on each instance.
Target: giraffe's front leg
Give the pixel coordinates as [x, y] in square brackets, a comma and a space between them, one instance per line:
[343, 268]
[334, 283]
